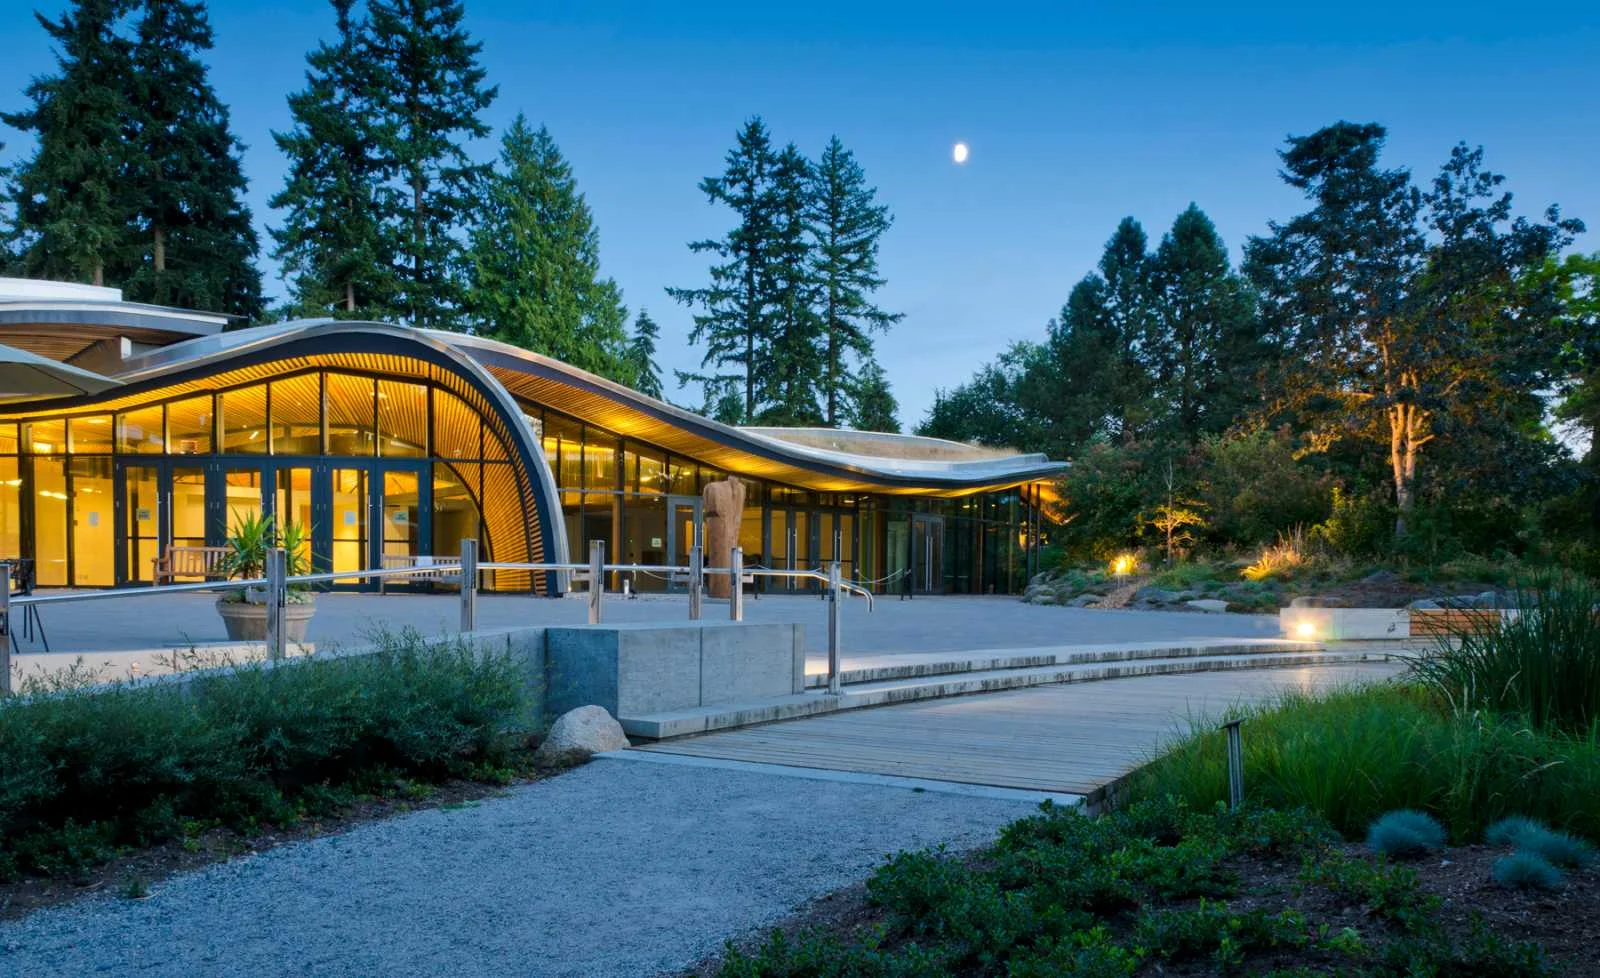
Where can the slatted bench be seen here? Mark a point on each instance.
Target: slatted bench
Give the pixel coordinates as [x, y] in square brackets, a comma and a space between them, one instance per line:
[444, 574]
[206, 563]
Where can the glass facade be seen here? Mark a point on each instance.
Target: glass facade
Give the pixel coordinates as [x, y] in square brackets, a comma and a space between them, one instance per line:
[644, 503]
[374, 467]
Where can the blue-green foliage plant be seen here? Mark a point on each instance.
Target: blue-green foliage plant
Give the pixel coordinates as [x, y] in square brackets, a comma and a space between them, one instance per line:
[1509, 831]
[1405, 834]
[1526, 871]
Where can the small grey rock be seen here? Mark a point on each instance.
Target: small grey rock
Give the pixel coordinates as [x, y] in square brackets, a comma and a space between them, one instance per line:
[1156, 595]
[1384, 576]
[1083, 601]
[1424, 604]
[1209, 605]
[578, 735]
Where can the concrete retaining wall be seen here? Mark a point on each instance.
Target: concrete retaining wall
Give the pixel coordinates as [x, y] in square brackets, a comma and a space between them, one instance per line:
[633, 670]
[1344, 624]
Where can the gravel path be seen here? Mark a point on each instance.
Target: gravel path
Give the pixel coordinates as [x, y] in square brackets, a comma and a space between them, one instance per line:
[617, 868]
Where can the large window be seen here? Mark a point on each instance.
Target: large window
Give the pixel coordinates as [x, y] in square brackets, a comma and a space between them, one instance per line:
[244, 421]
[189, 425]
[352, 415]
[297, 415]
[402, 420]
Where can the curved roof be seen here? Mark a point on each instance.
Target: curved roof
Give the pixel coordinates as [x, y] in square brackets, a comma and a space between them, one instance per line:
[60, 320]
[820, 459]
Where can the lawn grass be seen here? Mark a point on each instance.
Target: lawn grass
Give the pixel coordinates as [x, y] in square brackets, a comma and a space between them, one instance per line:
[88, 773]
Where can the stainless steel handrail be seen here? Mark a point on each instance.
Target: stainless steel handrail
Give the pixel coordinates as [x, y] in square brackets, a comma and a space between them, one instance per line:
[278, 583]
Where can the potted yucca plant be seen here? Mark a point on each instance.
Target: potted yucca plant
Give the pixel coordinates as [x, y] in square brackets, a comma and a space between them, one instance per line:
[244, 610]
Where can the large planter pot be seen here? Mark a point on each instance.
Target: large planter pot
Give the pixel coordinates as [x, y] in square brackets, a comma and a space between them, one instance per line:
[247, 622]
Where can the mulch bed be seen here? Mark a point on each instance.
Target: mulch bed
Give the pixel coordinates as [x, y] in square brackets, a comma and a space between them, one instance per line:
[1565, 922]
[129, 874]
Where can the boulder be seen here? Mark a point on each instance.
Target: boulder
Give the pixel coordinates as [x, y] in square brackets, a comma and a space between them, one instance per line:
[578, 735]
[1384, 576]
[1424, 604]
[1209, 605]
[1155, 595]
[1083, 601]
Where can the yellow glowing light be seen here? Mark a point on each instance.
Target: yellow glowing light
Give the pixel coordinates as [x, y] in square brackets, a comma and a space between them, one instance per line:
[1123, 565]
[1305, 630]
[959, 153]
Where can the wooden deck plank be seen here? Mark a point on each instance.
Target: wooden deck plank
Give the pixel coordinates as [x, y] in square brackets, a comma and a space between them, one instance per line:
[1070, 738]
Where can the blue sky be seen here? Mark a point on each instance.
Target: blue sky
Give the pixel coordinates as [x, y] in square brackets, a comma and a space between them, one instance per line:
[1076, 114]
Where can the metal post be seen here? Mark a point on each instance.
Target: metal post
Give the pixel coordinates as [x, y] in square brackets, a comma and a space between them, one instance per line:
[697, 581]
[5, 616]
[469, 585]
[833, 628]
[597, 583]
[736, 584]
[1235, 764]
[277, 598]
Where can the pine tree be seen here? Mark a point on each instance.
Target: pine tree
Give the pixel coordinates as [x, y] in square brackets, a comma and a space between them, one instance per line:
[792, 368]
[848, 224]
[735, 319]
[872, 404]
[330, 244]
[534, 261]
[641, 356]
[196, 246]
[1205, 347]
[427, 94]
[71, 213]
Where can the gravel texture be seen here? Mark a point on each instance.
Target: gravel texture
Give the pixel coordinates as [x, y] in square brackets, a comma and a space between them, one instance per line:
[616, 868]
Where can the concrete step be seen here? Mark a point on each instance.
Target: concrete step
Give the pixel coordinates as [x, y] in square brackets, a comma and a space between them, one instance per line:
[896, 667]
[682, 723]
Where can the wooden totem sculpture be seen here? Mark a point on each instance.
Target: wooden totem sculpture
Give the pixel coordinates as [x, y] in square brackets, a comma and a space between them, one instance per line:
[724, 510]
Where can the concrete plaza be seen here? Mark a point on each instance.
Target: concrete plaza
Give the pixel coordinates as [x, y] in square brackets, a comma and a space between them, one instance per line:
[926, 624]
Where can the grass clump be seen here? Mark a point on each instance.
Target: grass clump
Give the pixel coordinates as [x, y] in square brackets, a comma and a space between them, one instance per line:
[1405, 834]
[1542, 664]
[1153, 888]
[1354, 754]
[1509, 831]
[89, 773]
[1529, 835]
[1526, 871]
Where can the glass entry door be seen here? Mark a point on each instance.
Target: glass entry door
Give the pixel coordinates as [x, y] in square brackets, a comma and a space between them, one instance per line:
[927, 553]
[159, 503]
[375, 510]
[683, 531]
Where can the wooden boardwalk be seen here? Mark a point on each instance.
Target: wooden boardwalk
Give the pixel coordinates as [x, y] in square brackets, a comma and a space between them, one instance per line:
[1071, 739]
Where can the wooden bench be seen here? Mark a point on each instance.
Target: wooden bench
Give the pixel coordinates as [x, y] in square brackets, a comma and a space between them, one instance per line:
[397, 561]
[1453, 621]
[205, 563]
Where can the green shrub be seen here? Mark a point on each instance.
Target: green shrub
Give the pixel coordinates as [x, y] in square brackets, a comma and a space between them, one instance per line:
[1188, 575]
[87, 772]
[1543, 663]
[1526, 871]
[1360, 526]
[1405, 834]
[1254, 488]
[1354, 754]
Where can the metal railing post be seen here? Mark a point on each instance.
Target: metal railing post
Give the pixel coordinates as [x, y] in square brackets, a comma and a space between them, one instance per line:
[277, 599]
[736, 584]
[10, 642]
[469, 585]
[1235, 765]
[597, 582]
[833, 628]
[697, 581]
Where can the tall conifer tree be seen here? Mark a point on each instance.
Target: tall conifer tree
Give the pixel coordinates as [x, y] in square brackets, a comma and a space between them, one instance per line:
[428, 93]
[872, 403]
[535, 261]
[193, 244]
[330, 243]
[735, 320]
[848, 224]
[791, 376]
[71, 214]
[642, 355]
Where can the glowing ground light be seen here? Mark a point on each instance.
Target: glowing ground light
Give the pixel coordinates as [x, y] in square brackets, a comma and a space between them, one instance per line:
[959, 153]
[1306, 630]
[1123, 565]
